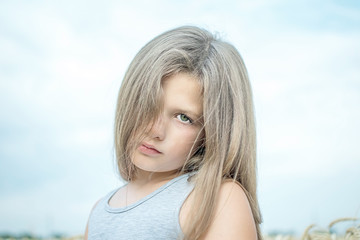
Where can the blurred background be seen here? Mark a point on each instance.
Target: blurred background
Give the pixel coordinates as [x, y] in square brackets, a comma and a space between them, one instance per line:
[61, 65]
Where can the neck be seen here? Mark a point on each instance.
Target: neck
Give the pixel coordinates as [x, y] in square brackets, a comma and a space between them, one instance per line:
[145, 178]
[145, 183]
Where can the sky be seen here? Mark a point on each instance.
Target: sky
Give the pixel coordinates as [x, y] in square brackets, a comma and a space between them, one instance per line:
[61, 65]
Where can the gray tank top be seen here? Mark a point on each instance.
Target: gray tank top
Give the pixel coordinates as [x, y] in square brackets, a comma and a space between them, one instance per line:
[156, 216]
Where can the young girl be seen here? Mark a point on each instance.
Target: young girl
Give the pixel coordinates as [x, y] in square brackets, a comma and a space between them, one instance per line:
[185, 144]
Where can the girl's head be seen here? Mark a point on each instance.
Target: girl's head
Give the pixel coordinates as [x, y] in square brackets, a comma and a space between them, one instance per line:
[217, 67]
[223, 145]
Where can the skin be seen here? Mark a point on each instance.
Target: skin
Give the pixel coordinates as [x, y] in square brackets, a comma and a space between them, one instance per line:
[175, 130]
[173, 136]
[233, 219]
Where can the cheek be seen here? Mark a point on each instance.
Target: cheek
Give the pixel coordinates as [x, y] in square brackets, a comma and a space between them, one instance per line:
[186, 141]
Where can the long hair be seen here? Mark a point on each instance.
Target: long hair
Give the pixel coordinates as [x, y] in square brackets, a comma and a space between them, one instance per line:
[228, 150]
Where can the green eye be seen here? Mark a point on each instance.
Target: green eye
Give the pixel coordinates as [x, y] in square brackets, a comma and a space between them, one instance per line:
[183, 118]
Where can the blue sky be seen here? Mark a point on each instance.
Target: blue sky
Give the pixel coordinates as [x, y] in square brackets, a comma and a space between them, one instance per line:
[61, 64]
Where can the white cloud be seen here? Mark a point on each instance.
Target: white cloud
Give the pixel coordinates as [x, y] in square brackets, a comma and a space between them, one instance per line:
[61, 69]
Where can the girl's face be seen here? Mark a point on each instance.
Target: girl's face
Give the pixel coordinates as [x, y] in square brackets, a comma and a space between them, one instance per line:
[168, 144]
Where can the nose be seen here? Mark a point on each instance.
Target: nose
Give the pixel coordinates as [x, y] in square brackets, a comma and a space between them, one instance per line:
[158, 130]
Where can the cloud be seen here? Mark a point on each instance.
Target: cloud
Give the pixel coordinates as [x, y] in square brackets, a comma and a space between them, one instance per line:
[61, 67]
[305, 88]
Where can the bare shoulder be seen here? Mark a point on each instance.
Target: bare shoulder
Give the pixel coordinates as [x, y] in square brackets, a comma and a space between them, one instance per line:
[233, 218]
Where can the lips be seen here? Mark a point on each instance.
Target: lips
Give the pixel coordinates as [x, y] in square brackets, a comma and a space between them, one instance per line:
[148, 149]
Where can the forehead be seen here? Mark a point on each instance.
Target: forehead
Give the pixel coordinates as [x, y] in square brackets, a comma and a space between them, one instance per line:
[181, 79]
[183, 89]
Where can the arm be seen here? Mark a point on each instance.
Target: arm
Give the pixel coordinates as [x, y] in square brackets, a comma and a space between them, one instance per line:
[233, 218]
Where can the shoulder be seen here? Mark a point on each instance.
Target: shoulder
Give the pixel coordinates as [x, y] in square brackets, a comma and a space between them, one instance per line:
[233, 218]
[87, 225]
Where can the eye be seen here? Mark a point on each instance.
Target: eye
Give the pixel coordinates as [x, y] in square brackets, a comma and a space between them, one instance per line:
[183, 118]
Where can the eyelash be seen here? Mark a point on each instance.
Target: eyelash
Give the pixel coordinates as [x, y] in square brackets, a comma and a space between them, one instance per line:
[188, 121]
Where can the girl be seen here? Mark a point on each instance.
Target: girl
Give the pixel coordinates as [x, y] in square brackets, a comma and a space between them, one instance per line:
[185, 144]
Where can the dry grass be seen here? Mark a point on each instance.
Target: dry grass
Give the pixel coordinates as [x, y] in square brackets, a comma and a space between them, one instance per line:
[312, 232]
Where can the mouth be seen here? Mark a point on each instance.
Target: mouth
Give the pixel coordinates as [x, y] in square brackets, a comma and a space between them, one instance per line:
[148, 149]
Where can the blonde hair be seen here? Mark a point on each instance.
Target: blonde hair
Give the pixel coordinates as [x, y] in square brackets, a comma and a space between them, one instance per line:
[229, 147]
